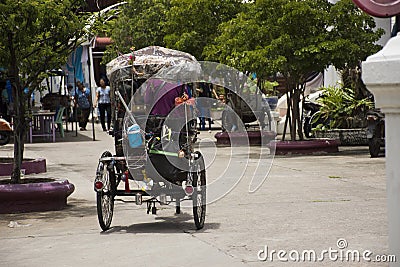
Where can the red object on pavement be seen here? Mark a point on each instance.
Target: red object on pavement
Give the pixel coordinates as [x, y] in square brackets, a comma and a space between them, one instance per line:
[127, 189]
[379, 8]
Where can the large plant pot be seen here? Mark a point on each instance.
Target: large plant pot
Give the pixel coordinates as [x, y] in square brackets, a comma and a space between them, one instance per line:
[346, 137]
[305, 147]
[35, 196]
[29, 165]
[244, 138]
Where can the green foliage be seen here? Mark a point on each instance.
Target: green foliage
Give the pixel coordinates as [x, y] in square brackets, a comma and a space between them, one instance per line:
[353, 35]
[192, 24]
[275, 36]
[295, 38]
[139, 24]
[186, 25]
[340, 109]
[268, 87]
[35, 36]
[101, 23]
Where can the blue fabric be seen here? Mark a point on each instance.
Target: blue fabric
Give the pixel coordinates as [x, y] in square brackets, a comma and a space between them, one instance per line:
[75, 63]
[188, 90]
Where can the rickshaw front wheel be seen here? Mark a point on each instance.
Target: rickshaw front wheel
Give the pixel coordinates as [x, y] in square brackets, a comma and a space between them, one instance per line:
[105, 197]
[199, 192]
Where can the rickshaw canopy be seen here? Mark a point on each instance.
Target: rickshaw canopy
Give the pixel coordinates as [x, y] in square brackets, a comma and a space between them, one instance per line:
[146, 62]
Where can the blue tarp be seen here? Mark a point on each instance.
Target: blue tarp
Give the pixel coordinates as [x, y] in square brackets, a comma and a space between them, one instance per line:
[74, 64]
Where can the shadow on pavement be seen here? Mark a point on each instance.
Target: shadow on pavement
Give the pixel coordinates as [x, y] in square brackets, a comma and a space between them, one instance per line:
[182, 223]
[75, 209]
[69, 137]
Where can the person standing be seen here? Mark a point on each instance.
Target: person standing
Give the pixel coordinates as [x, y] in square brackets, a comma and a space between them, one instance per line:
[204, 104]
[82, 97]
[104, 102]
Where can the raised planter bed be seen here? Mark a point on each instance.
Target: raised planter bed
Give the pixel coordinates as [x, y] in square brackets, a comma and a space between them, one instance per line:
[305, 147]
[346, 137]
[29, 165]
[38, 194]
[244, 138]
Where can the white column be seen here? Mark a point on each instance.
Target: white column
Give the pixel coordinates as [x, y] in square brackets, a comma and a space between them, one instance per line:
[92, 79]
[381, 74]
[385, 24]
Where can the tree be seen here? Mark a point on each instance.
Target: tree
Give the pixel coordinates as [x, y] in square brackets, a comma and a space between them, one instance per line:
[186, 25]
[193, 24]
[295, 38]
[139, 24]
[355, 43]
[35, 36]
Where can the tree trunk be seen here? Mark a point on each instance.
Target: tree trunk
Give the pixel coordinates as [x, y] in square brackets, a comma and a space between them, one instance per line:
[288, 121]
[19, 113]
[19, 135]
[295, 113]
[301, 89]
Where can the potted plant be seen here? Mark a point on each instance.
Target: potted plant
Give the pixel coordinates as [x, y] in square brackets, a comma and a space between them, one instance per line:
[342, 116]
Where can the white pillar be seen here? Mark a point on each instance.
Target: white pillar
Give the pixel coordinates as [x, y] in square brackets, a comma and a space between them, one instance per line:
[381, 74]
[92, 79]
[385, 24]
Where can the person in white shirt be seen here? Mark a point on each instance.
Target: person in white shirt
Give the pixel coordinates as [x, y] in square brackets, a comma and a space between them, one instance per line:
[104, 102]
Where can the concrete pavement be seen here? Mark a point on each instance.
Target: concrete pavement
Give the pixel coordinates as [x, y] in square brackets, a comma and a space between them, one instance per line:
[306, 203]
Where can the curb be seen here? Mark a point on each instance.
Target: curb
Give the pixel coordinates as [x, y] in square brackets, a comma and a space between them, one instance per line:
[305, 147]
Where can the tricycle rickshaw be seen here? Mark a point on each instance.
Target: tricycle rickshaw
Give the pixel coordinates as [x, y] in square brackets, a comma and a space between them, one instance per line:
[154, 160]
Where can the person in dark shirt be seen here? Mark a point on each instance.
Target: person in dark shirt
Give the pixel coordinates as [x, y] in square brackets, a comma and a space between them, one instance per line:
[82, 97]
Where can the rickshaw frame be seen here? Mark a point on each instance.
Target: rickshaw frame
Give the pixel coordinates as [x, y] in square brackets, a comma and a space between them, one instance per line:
[113, 170]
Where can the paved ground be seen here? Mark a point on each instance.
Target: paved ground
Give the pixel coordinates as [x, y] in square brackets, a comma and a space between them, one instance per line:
[306, 203]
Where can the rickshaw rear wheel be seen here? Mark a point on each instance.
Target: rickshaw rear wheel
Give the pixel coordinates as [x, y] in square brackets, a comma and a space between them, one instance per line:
[105, 197]
[199, 192]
